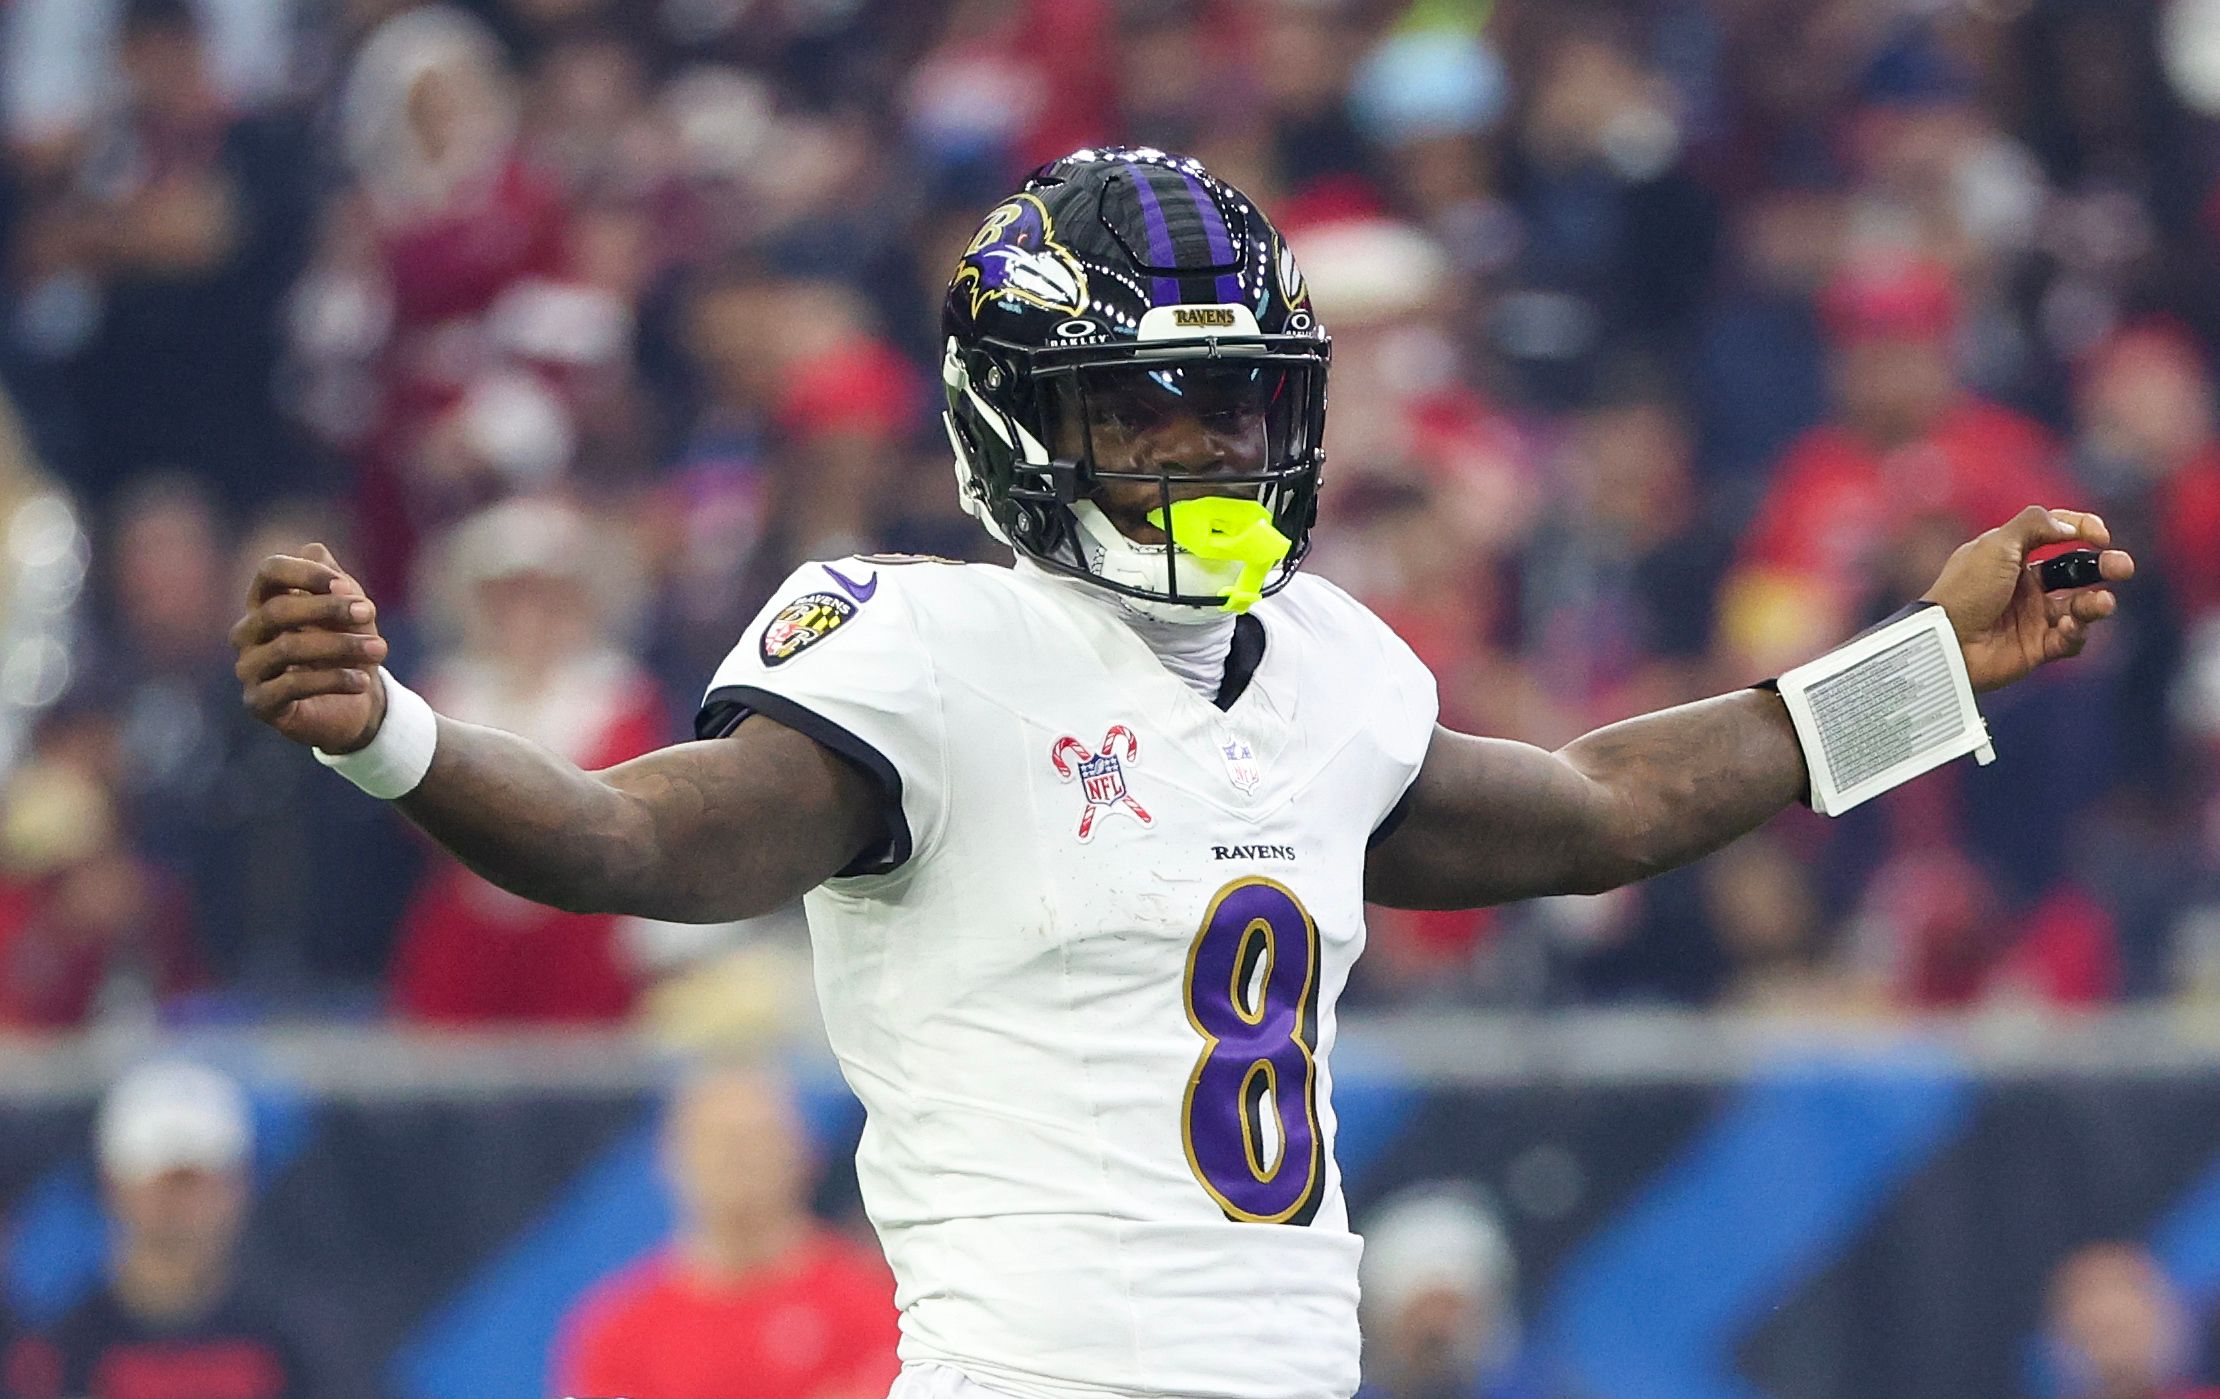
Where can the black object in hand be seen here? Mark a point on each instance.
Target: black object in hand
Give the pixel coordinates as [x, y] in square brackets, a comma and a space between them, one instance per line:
[2075, 569]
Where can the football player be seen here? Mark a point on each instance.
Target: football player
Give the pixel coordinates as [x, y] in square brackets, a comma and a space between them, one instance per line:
[1085, 842]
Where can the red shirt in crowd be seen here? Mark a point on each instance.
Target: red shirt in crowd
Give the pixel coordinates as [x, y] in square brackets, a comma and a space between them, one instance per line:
[446, 268]
[59, 948]
[471, 953]
[245, 1346]
[1835, 501]
[2188, 524]
[818, 1323]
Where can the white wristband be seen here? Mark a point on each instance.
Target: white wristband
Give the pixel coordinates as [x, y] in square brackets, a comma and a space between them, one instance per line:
[1882, 709]
[391, 764]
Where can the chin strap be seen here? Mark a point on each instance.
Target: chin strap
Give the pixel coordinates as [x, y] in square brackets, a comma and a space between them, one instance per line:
[1224, 529]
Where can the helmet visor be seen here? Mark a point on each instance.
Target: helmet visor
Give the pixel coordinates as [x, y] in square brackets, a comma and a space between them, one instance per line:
[1233, 425]
[1101, 438]
[1145, 434]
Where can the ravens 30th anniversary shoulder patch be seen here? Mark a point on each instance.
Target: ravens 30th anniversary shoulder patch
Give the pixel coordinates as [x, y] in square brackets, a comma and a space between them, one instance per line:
[802, 623]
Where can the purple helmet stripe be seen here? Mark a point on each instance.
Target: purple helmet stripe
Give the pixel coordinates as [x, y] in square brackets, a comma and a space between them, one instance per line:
[1165, 292]
[1221, 243]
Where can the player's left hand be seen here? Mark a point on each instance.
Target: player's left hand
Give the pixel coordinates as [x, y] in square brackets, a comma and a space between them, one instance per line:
[2005, 622]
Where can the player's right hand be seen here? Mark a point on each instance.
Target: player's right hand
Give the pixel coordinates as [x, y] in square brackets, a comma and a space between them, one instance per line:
[309, 650]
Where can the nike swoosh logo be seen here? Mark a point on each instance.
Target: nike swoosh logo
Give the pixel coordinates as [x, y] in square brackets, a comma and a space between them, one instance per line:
[861, 592]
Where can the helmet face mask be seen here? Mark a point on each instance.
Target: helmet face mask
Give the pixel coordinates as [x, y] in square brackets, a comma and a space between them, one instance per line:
[1070, 430]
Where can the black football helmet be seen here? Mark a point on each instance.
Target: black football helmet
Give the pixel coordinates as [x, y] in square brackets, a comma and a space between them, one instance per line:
[1129, 281]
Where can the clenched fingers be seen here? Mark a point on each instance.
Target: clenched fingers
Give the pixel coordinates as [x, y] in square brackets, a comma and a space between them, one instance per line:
[2065, 638]
[2034, 527]
[283, 573]
[2083, 605]
[270, 697]
[345, 583]
[314, 649]
[288, 611]
[2085, 526]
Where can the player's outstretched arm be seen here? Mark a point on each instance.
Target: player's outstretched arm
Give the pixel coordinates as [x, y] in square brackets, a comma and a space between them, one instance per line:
[698, 832]
[1490, 821]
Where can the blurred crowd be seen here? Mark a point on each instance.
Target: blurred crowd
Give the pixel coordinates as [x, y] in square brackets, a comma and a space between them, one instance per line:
[751, 1292]
[1674, 341]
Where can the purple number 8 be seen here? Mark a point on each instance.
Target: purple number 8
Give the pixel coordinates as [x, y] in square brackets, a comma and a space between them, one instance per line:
[1251, 1115]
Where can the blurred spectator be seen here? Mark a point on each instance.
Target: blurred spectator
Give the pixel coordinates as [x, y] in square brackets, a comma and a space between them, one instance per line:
[989, 98]
[60, 59]
[1429, 98]
[204, 852]
[173, 1316]
[89, 931]
[1938, 174]
[589, 122]
[1869, 505]
[1303, 57]
[26, 1363]
[842, 407]
[158, 244]
[752, 1296]
[1440, 1290]
[2149, 450]
[471, 245]
[1760, 378]
[539, 598]
[1760, 897]
[1935, 932]
[1427, 454]
[1746, 929]
[797, 450]
[2115, 1328]
[1620, 236]
[2196, 704]
[1618, 585]
[161, 676]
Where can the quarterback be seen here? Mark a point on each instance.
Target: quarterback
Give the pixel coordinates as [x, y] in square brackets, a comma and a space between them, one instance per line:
[1085, 842]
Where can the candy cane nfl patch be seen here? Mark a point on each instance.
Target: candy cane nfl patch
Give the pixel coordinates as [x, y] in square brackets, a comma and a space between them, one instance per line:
[1101, 775]
[803, 623]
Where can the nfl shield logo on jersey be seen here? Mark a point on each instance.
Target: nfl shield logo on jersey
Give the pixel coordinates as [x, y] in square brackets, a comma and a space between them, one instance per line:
[1103, 778]
[1100, 773]
[1242, 768]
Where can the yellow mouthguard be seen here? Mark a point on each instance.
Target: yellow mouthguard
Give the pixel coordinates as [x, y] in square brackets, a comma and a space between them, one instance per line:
[1222, 528]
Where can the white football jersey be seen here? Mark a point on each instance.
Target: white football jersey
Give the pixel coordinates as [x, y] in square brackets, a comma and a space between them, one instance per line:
[1086, 994]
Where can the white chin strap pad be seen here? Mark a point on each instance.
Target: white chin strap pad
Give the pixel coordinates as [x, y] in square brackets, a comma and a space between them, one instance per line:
[1116, 559]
